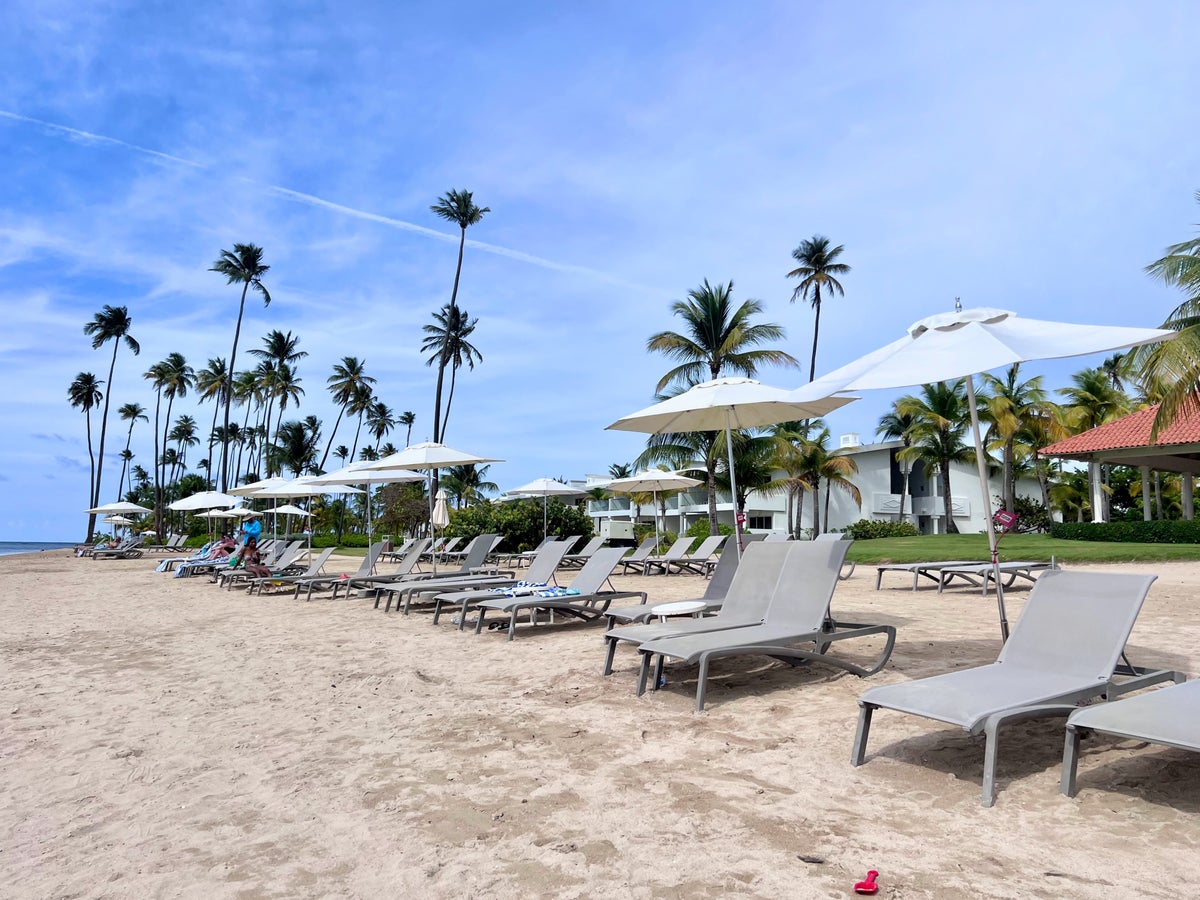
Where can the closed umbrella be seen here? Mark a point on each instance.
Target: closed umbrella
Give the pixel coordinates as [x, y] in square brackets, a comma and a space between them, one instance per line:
[961, 344]
[544, 488]
[723, 405]
[653, 480]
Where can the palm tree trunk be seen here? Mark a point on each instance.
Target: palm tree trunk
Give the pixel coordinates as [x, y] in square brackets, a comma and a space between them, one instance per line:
[332, 435]
[208, 476]
[157, 483]
[828, 487]
[812, 369]
[87, 423]
[449, 399]
[1010, 483]
[125, 462]
[357, 432]
[816, 507]
[947, 503]
[799, 513]
[711, 484]
[237, 333]
[104, 422]
[903, 490]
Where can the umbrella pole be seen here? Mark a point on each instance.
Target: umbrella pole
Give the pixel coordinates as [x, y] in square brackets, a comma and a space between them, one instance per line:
[737, 527]
[981, 464]
[654, 500]
[545, 528]
[431, 528]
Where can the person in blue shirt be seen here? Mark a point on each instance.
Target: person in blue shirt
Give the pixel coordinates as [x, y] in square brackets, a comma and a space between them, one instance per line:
[251, 528]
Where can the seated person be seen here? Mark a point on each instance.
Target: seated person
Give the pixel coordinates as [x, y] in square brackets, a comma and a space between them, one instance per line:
[252, 562]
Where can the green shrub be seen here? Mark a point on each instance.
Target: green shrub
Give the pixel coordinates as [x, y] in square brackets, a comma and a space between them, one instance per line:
[321, 541]
[700, 528]
[1033, 517]
[520, 522]
[1171, 531]
[867, 529]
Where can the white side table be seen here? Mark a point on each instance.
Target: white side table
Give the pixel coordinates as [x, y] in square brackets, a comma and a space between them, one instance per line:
[678, 608]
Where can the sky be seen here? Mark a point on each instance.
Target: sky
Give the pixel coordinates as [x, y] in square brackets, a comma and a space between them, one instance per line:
[1032, 157]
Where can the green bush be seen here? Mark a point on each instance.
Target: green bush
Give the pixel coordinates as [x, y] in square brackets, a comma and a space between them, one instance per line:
[1171, 531]
[520, 522]
[700, 528]
[1033, 517]
[321, 541]
[867, 529]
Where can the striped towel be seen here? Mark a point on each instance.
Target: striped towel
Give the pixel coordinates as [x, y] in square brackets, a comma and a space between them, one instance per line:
[556, 592]
[519, 588]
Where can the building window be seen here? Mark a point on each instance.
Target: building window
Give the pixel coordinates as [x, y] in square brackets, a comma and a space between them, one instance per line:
[760, 523]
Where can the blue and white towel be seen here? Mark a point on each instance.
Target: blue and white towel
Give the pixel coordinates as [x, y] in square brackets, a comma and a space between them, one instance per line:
[556, 592]
[519, 588]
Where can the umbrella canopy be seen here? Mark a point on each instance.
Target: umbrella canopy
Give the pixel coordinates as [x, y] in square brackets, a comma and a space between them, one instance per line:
[205, 500]
[290, 509]
[121, 507]
[653, 480]
[305, 486]
[723, 405]
[359, 473]
[428, 455]
[254, 487]
[544, 488]
[116, 520]
[962, 344]
[221, 514]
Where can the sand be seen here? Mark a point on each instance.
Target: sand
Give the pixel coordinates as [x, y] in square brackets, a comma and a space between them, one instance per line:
[163, 738]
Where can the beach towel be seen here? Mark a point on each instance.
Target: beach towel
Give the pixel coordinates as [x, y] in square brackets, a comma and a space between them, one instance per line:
[557, 592]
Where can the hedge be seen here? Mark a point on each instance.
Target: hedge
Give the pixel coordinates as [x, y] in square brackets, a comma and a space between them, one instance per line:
[866, 529]
[1171, 531]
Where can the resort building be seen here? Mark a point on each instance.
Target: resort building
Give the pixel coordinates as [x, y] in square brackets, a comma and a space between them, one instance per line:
[880, 480]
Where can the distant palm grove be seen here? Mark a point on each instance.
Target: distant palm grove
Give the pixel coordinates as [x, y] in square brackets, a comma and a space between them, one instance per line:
[252, 425]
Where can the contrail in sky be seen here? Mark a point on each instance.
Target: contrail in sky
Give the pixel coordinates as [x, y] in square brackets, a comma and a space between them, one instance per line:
[88, 137]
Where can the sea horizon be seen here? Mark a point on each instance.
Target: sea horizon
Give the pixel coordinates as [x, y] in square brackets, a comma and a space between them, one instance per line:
[8, 548]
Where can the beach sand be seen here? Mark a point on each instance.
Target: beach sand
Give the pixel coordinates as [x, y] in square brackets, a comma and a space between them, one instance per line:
[163, 738]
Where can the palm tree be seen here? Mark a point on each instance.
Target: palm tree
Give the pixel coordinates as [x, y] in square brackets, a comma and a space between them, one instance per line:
[791, 439]
[286, 386]
[687, 450]
[814, 462]
[407, 419]
[457, 207]
[110, 324]
[717, 338]
[295, 447]
[380, 421]
[1092, 400]
[84, 393]
[184, 436]
[243, 265]
[347, 375]
[895, 426]
[818, 268]
[1008, 406]
[131, 413]
[754, 466]
[177, 378]
[341, 453]
[619, 470]
[941, 414]
[212, 383]
[447, 340]
[466, 485]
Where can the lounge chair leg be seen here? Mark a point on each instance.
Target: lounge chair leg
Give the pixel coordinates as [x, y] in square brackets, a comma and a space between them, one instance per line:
[479, 620]
[1070, 764]
[991, 750]
[658, 671]
[610, 651]
[859, 752]
[462, 616]
[643, 673]
[512, 624]
[701, 683]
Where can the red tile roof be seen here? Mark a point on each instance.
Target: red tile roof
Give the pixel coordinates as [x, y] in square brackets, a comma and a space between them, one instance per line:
[1130, 432]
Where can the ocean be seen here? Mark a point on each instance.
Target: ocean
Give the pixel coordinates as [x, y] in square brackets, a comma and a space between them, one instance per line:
[9, 547]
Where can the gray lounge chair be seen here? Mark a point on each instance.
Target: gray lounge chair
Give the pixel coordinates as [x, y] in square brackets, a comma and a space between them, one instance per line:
[539, 575]
[638, 557]
[1170, 717]
[130, 548]
[1065, 648]
[405, 567]
[288, 563]
[746, 600]
[524, 557]
[472, 571]
[835, 536]
[578, 560]
[588, 604]
[700, 561]
[325, 582]
[981, 574]
[922, 569]
[314, 569]
[676, 552]
[798, 613]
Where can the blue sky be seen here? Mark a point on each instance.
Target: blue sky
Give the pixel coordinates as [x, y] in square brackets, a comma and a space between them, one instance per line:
[1027, 156]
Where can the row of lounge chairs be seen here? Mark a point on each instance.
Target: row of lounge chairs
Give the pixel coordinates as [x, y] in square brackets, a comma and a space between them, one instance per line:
[974, 572]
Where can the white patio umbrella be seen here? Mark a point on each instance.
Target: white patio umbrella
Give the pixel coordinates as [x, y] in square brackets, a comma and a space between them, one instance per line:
[116, 520]
[653, 480]
[358, 473]
[304, 486]
[248, 490]
[723, 405]
[544, 488]
[205, 500]
[120, 508]
[961, 344]
[430, 457]
[290, 509]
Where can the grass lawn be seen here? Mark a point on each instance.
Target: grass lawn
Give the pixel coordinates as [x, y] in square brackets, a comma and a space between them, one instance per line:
[1038, 547]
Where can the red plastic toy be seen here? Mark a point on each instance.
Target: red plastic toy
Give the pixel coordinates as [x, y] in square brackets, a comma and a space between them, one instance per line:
[868, 886]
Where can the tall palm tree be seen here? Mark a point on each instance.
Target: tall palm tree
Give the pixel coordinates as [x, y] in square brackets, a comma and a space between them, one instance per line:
[157, 376]
[184, 435]
[131, 413]
[347, 375]
[458, 207]
[247, 394]
[685, 450]
[177, 379]
[717, 338]
[447, 341]
[938, 437]
[359, 404]
[243, 265]
[790, 447]
[466, 485]
[407, 419]
[287, 388]
[380, 421]
[110, 324]
[818, 269]
[84, 393]
[895, 426]
[294, 449]
[212, 383]
[1091, 401]
[1008, 406]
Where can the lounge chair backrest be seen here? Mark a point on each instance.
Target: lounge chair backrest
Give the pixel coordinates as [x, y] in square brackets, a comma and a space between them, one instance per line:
[727, 563]
[545, 562]
[595, 571]
[806, 584]
[644, 549]
[590, 547]
[1076, 623]
[289, 555]
[477, 552]
[707, 547]
[830, 536]
[679, 548]
[317, 564]
[412, 557]
[778, 536]
[754, 583]
[495, 542]
[572, 540]
[449, 545]
[367, 566]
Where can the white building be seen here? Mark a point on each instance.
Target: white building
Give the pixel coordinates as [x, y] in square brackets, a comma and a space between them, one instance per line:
[879, 479]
